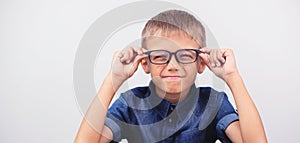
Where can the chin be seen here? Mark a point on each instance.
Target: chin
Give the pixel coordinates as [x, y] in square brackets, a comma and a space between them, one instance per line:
[174, 89]
[173, 93]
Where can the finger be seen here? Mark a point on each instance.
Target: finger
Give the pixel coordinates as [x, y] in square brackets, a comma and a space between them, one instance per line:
[227, 52]
[205, 50]
[125, 56]
[117, 54]
[229, 55]
[131, 54]
[216, 57]
[144, 50]
[134, 52]
[138, 50]
[136, 62]
[212, 57]
[221, 57]
[205, 59]
[116, 58]
[139, 58]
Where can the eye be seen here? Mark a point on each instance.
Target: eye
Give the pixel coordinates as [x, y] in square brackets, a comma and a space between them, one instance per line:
[159, 56]
[186, 55]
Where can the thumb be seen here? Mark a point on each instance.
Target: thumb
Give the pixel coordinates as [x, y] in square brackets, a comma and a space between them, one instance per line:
[205, 59]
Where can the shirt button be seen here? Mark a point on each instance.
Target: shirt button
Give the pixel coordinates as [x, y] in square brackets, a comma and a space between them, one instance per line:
[170, 120]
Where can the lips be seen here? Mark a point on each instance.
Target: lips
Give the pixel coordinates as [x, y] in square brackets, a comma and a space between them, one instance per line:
[173, 77]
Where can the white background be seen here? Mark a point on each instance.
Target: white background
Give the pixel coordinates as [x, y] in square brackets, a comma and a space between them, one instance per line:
[39, 39]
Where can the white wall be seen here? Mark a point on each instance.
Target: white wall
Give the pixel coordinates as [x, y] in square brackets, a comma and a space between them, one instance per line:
[39, 39]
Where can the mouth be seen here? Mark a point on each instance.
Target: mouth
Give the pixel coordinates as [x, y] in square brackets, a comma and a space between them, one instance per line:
[172, 77]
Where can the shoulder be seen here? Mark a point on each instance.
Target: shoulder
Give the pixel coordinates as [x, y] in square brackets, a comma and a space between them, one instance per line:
[215, 103]
[209, 90]
[218, 107]
[140, 92]
[136, 98]
[209, 93]
[211, 97]
[128, 100]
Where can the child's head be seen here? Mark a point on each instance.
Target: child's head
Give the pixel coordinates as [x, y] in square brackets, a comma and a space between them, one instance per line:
[173, 39]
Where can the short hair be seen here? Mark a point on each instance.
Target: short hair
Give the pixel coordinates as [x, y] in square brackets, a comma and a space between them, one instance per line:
[172, 22]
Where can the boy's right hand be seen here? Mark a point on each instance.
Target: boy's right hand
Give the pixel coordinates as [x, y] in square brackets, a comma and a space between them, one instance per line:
[126, 62]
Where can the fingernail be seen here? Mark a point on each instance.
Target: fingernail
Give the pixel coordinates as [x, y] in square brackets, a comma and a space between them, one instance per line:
[213, 64]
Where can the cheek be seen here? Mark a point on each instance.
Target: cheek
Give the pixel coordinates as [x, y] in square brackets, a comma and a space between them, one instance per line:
[156, 69]
[192, 68]
[191, 71]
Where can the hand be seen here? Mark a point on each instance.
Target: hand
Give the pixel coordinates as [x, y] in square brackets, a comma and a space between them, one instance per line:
[126, 62]
[220, 61]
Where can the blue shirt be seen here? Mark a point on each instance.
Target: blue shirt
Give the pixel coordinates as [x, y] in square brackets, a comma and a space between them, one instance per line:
[140, 116]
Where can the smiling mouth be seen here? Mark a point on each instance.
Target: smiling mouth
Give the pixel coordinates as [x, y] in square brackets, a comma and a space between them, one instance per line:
[172, 77]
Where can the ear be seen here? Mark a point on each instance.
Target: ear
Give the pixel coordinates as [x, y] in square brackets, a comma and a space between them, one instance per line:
[145, 65]
[201, 66]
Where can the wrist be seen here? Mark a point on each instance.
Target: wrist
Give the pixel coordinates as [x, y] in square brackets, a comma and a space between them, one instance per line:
[115, 81]
[232, 77]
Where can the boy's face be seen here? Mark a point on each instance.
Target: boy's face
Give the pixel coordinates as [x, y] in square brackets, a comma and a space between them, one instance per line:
[172, 77]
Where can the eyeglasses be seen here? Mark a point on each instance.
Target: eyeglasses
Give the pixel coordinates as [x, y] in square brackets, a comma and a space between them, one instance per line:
[184, 56]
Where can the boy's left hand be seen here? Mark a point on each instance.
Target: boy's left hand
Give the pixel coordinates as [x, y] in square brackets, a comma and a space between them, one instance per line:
[220, 61]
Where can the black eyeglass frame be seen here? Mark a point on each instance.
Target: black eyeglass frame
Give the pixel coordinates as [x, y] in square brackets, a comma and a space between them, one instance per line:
[171, 54]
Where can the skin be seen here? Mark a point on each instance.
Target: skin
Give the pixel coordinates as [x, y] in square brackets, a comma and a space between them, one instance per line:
[175, 81]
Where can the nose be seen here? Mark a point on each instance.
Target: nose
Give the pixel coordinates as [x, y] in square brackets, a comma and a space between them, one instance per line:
[173, 65]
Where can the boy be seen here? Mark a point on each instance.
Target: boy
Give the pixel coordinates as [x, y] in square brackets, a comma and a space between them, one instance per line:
[171, 108]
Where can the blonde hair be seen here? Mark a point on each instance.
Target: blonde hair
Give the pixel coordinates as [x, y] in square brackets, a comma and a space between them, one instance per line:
[172, 22]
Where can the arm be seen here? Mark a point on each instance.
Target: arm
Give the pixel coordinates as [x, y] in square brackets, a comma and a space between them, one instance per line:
[92, 129]
[92, 126]
[249, 128]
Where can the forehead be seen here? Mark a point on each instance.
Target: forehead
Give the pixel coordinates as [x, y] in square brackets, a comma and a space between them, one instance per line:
[171, 43]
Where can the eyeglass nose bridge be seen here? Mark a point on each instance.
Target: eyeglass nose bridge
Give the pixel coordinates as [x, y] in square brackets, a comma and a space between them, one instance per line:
[171, 55]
